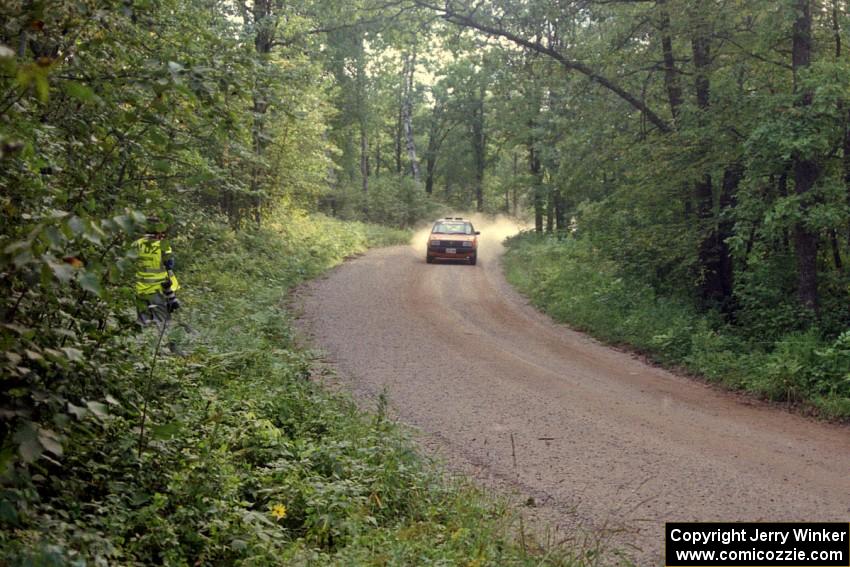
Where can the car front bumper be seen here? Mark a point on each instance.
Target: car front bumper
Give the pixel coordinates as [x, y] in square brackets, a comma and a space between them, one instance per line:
[461, 253]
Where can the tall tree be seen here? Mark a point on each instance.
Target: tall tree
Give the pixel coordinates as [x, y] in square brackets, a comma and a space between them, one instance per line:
[407, 113]
[478, 135]
[806, 168]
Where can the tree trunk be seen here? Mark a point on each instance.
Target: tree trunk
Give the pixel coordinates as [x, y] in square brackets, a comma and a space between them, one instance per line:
[806, 170]
[479, 146]
[782, 190]
[407, 118]
[845, 146]
[715, 262]
[560, 213]
[399, 128]
[836, 28]
[836, 249]
[701, 49]
[846, 162]
[434, 143]
[711, 288]
[513, 185]
[479, 190]
[535, 168]
[364, 157]
[671, 75]
[265, 25]
[360, 97]
[726, 229]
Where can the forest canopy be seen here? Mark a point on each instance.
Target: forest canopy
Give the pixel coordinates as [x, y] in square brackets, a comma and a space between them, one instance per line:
[697, 149]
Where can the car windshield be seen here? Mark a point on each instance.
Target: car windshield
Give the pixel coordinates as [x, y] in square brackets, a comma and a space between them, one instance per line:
[453, 228]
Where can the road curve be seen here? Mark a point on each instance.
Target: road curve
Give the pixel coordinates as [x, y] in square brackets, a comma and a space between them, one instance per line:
[599, 438]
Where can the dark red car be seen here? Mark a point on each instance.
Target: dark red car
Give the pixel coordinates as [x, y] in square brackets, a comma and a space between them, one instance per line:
[453, 239]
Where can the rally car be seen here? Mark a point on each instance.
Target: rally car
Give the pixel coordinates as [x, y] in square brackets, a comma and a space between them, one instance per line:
[453, 239]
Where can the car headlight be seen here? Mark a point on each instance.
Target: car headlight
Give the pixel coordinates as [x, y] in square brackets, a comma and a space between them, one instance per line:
[435, 243]
[467, 243]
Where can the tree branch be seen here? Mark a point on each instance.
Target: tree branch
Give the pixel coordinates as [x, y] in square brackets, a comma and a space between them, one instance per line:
[570, 65]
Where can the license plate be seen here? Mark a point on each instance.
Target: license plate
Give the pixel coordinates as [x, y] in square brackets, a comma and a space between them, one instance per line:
[451, 250]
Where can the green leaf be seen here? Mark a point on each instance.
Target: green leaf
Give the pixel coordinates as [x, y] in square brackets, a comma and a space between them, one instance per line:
[158, 138]
[61, 270]
[161, 165]
[19, 329]
[54, 237]
[29, 447]
[76, 224]
[33, 355]
[166, 430]
[77, 411]
[93, 233]
[73, 354]
[16, 246]
[125, 222]
[50, 441]
[98, 409]
[90, 282]
[23, 258]
[8, 514]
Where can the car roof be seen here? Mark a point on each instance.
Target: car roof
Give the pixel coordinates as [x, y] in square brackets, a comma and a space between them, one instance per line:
[452, 219]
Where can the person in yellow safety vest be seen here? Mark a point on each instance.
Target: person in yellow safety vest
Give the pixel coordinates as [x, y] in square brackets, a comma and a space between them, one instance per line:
[155, 280]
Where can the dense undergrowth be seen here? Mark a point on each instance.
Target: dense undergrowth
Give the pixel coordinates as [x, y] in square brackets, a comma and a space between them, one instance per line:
[577, 285]
[244, 460]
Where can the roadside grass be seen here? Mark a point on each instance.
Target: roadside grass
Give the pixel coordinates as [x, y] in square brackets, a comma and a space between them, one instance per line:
[574, 284]
[245, 461]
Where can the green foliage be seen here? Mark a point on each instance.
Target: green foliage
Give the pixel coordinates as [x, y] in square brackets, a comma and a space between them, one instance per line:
[202, 110]
[61, 336]
[391, 201]
[765, 294]
[575, 283]
[682, 172]
[222, 450]
[108, 114]
[248, 458]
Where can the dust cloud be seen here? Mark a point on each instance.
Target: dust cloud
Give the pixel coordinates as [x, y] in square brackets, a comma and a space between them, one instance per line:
[494, 230]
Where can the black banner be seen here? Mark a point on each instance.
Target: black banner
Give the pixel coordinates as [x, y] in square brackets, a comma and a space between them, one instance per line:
[753, 544]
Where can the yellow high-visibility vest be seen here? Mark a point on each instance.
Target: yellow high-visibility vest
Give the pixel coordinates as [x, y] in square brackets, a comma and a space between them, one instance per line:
[151, 272]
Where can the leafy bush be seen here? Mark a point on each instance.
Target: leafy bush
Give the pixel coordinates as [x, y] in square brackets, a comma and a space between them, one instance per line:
[391, 201]
[764, 354]
[765, 294]
[245, 459]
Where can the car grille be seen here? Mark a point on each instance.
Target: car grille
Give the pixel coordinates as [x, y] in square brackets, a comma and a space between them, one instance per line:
[450, 244]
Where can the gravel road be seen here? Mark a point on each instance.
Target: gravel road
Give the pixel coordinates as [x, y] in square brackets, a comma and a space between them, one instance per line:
[600, 440]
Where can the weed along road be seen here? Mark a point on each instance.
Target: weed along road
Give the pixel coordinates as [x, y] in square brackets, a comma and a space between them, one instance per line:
[604, 443]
